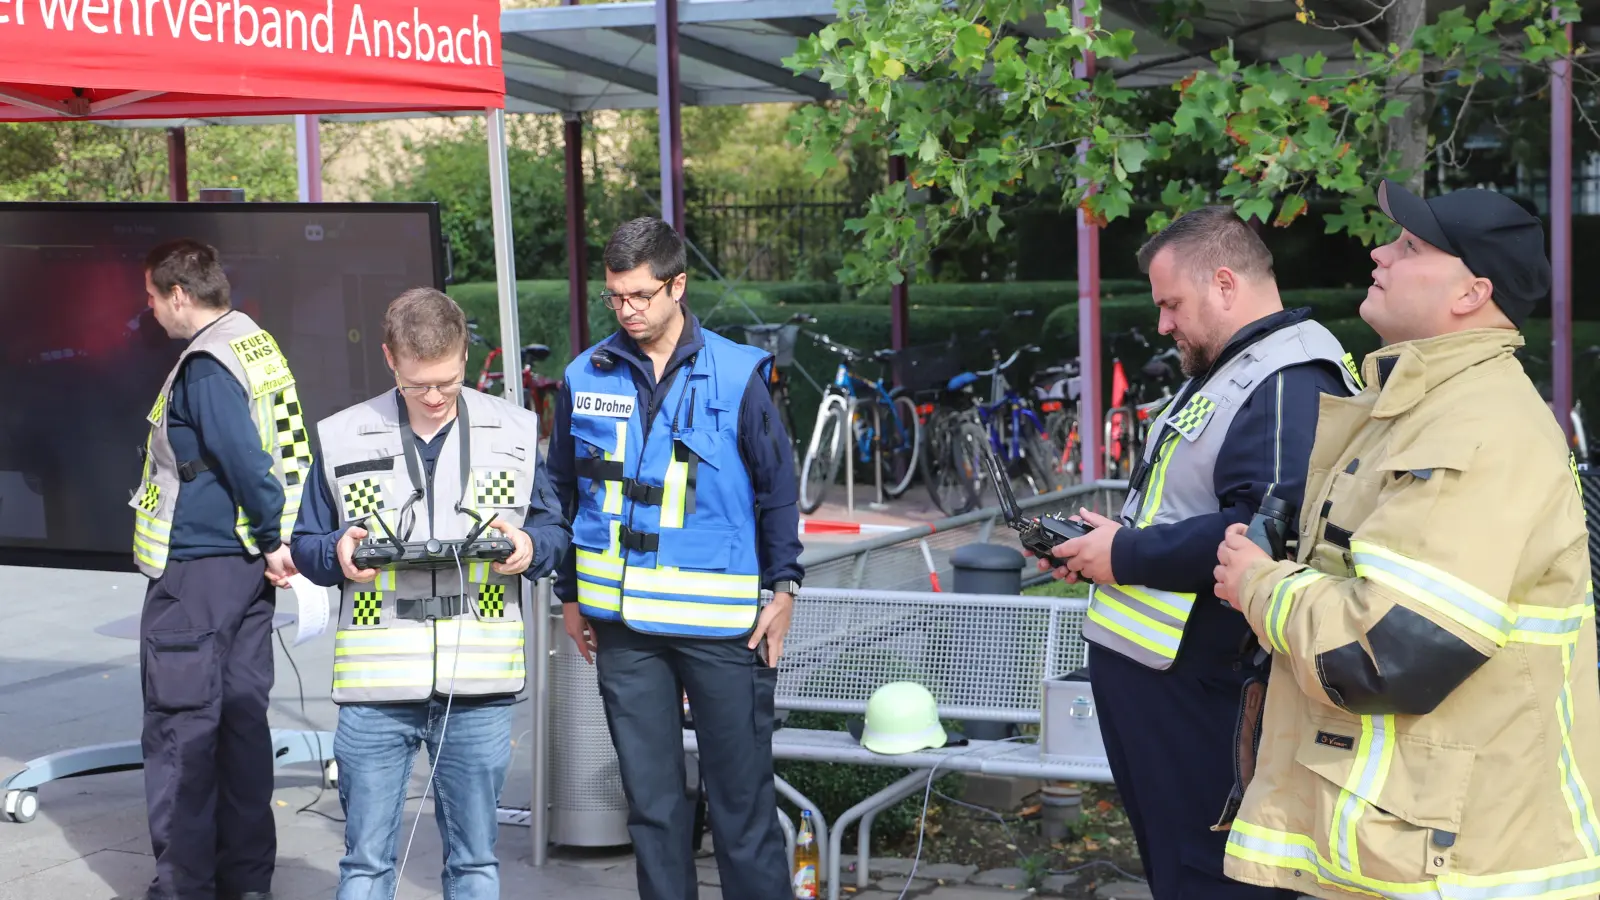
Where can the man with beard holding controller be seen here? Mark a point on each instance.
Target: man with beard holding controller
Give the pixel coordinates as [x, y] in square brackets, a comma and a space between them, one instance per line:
[1167, 660]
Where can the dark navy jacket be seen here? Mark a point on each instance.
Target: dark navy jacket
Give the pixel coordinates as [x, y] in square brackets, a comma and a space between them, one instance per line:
[317, 533]
[209, 419]
[1268, 445]
[763, 445]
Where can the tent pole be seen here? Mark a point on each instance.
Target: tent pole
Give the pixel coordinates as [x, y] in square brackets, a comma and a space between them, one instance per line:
[1089, 417]
[178, 165]
[899, 294]
[669, 113]
[1561, 239]
[308, 157]
[504, 263]
[577, 238]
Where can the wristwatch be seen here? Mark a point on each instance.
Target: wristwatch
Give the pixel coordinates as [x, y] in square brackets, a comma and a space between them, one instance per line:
[788, 586]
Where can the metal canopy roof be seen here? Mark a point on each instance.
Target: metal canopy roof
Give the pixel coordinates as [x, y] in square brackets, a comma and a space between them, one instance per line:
[582, 58]
[731, 52]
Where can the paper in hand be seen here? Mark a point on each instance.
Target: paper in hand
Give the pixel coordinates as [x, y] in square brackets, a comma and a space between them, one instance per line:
[313, 605]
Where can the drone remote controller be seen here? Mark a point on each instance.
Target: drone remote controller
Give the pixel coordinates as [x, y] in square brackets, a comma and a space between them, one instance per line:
[374, 553]
[1039, 536]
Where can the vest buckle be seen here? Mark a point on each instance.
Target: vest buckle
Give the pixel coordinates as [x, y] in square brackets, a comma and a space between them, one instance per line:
[643, 541]
[639, 492]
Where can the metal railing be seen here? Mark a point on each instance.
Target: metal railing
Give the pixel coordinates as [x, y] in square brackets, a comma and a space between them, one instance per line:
[903, 560]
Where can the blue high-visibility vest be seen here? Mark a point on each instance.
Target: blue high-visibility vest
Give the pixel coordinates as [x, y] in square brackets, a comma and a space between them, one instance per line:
[665, 532]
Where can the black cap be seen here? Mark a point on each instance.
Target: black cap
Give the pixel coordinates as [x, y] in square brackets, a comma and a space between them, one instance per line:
[1491, 233]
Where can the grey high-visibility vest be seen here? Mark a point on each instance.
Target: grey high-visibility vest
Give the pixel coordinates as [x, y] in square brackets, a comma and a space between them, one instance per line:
[252, 356]
[1142, 623]
[410, 634]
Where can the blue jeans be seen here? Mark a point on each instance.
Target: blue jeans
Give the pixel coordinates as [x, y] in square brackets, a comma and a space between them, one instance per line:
[375, 746]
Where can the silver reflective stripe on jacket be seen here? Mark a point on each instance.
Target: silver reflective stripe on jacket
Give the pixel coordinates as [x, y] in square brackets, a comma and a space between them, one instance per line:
[380, 656]
[1145, 624]
[252, 356]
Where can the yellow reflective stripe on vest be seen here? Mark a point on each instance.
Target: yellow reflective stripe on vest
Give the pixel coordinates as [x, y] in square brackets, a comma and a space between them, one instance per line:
[688, 612]
[671, 580]
[416, 673]
[1151, 504]
[1369, 771]
[600, 565]
[1435, 588]
[674, 494]
[1278, 609]
[613, 501]
[383, 640]
[1149, 618]
[599, 596]
[1297, 852]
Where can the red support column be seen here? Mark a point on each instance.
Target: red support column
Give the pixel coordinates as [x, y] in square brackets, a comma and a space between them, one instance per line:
[577, 239]
[1561, 238]
[899, 294]
[668, 110]
[177, 165]
[1089, 414]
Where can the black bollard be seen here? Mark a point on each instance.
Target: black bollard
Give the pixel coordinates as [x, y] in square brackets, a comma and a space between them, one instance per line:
[987, 569]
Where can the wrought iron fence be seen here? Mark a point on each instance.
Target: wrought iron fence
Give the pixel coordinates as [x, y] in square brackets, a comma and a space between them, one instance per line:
[777, 235]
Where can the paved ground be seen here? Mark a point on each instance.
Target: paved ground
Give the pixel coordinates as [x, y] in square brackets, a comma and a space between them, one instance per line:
[65, 684]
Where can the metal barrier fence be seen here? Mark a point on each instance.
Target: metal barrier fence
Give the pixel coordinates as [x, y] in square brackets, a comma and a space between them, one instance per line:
[903, 560]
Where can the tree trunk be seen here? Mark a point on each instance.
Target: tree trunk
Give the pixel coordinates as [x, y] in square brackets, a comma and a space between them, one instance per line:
[1408, 132]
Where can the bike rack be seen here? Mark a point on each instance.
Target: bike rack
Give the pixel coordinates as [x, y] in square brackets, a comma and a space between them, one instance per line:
[850, 456]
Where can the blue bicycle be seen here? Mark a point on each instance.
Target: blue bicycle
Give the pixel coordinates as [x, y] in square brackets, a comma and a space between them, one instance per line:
[865, 416]
[1010, 427]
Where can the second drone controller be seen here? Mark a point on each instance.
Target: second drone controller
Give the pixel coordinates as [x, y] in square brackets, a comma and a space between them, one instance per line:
[1048, 532]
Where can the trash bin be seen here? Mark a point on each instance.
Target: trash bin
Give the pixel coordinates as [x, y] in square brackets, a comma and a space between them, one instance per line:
[988, 569]
[587, 805]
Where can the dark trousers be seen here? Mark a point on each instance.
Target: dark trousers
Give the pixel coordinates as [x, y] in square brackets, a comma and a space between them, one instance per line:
[730, 690]
[1169, 739]
[206, 664]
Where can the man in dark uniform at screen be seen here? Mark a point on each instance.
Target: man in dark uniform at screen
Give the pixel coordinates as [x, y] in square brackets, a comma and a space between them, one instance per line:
[210, 516]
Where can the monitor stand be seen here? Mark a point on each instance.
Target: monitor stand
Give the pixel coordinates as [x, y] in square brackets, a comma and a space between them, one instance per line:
[19, 791]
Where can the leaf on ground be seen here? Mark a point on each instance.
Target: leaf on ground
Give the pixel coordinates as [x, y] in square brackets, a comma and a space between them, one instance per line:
[1104, 806]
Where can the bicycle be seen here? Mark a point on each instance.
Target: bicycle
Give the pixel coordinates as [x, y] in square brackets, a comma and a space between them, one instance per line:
[538, 391]
[1007, 425]
[854, 405]
[778, 339]
[1056, 390]
[1127, 422]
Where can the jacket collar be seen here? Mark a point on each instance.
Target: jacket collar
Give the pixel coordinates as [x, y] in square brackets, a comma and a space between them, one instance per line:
[690, 341]
[1254, 332]
[1407, 371]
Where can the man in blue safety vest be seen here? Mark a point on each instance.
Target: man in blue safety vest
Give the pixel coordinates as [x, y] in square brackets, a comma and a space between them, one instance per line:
[678, 478]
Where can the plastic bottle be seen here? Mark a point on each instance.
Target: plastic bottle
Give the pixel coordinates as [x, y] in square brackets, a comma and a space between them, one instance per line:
[805, 859]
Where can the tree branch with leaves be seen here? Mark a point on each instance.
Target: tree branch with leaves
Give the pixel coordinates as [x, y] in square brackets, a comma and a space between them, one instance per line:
[981, 101]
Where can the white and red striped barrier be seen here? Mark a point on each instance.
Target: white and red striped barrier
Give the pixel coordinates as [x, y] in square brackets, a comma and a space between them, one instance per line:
[824, 526]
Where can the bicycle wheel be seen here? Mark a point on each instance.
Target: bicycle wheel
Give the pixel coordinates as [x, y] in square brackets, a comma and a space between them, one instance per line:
[899, 446]
[953, 495]
[967, 447]
[1042, 460]
[823, 455]
[1120, 442]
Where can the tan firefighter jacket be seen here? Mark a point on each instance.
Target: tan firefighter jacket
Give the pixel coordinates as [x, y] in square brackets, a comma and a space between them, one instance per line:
[1432, 724]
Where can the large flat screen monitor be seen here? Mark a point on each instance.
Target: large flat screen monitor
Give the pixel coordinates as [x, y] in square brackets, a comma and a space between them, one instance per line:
[82, 359]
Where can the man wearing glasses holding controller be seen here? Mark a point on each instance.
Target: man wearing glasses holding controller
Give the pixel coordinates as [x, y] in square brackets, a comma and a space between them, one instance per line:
[678, 478]
[426, 655]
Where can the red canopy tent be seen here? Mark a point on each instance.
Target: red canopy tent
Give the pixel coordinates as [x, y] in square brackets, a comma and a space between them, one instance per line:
[64, 60]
